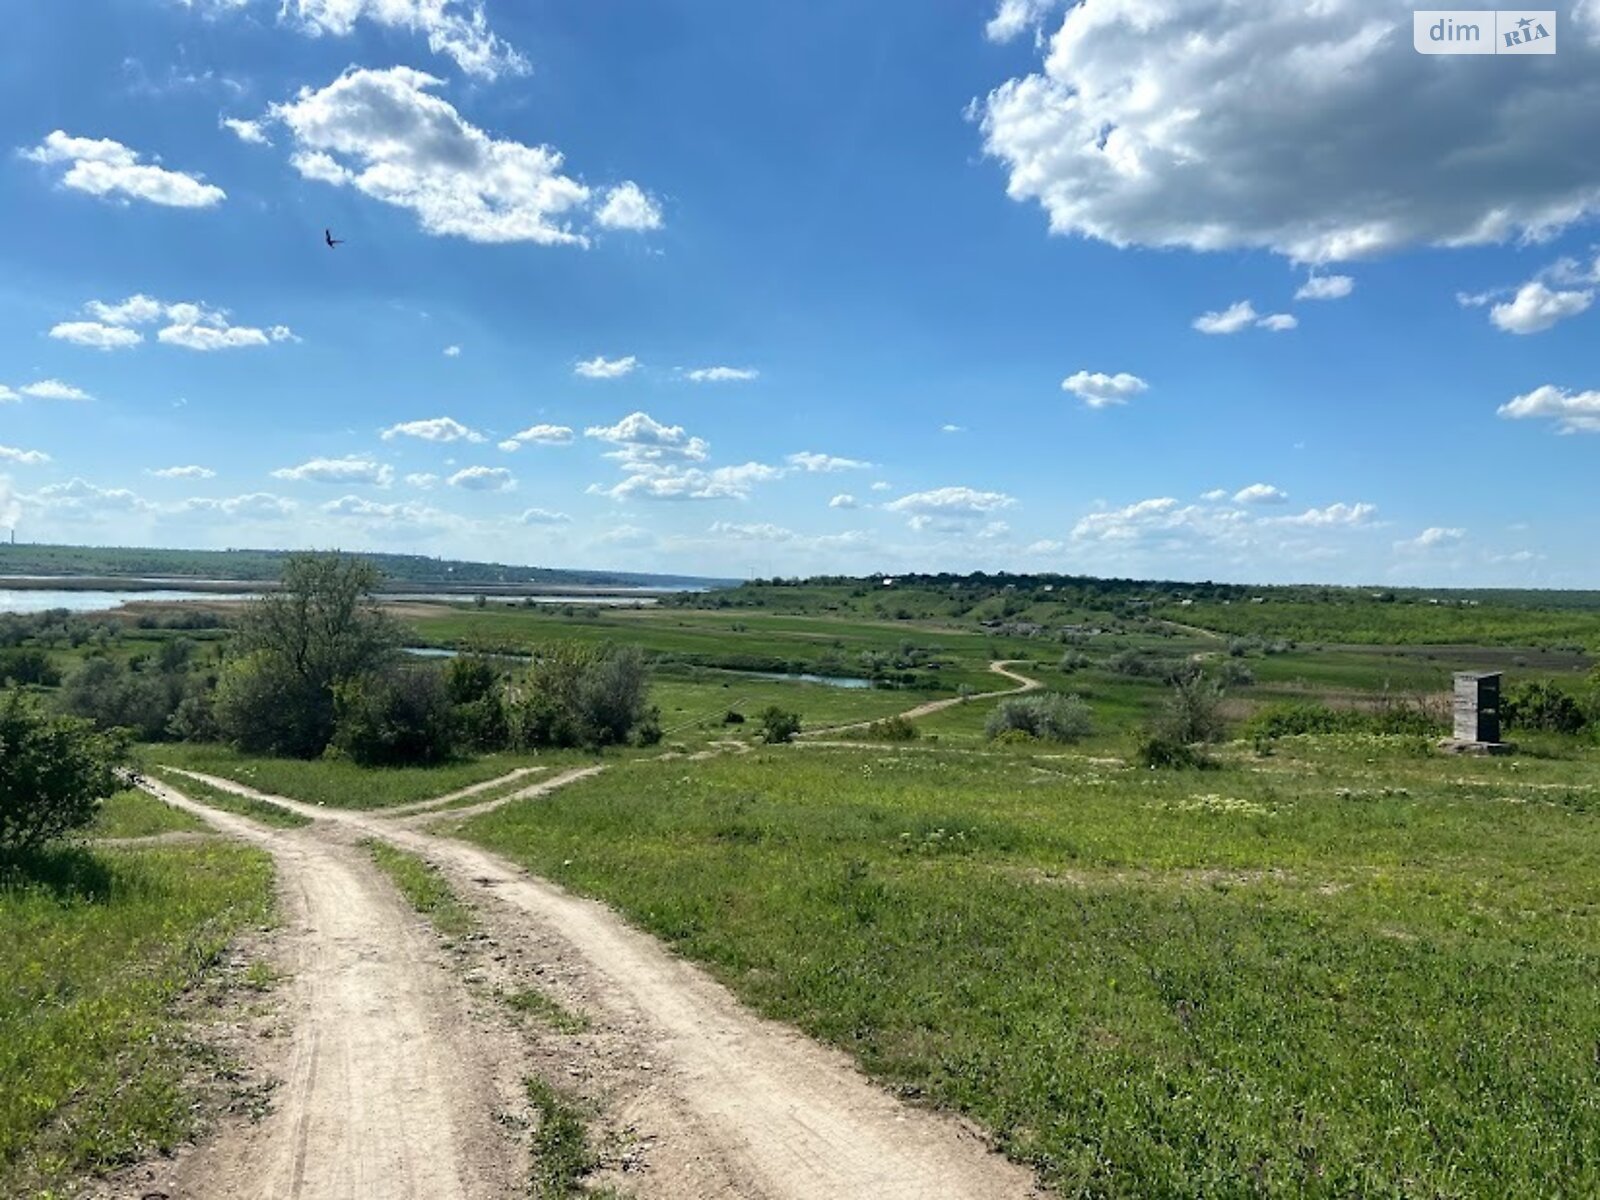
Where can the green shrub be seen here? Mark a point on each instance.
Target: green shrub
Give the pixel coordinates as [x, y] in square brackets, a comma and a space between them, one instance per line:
[400, 718]
[893, 729]
[1051, 718]
[1158, 751]
[54, 771]
[579, 695]
[778, 725]
[1075, 660]
[1545, 706]
[1392, 716]
[1192, 713]
[28, 665]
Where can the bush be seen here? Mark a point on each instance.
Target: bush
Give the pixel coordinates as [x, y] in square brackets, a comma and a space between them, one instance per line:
[54, 771]
[733, 717]
[1160, 752]
[28, 666]
[1546, 706]
[1236, 674]
[473, 684]
[577, 695]
[400, 718]
[115, 696]
[1392, 716]
[779, 725]
[893, 729]
[1075, 660]
[1193, 713]
[1051, 718]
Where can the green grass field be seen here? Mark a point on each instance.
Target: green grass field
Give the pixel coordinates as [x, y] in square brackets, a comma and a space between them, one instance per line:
[96, 949]
[245, 806]
[135, 814]
[423, 888]
[1351, 968]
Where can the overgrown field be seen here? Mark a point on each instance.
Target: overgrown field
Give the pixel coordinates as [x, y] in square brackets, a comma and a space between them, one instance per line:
[96, 949]
[1350, 968]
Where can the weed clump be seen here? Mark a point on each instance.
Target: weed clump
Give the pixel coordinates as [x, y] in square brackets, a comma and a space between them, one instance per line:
[1050, 718]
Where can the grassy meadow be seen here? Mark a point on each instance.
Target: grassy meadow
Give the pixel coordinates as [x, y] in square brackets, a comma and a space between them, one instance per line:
[97, 947]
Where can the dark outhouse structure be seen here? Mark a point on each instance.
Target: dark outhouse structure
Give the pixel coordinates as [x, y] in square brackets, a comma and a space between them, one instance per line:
[1477, 706]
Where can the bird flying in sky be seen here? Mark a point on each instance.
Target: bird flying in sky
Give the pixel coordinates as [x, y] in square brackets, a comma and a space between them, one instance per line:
[327, 236]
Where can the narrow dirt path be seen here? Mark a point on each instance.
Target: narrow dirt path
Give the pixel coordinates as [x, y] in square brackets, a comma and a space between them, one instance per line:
[750, 1107]
[1024, 684]
[390, 1090]
[472, 810]
[402, 810]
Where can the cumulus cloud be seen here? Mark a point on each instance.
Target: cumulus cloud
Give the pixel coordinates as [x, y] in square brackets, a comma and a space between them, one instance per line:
[96, 335]
[1099, 390]
[1331, 516]
[600, 367]
[811, 462]
[385, 134]
[255, 506]
[1536, 308]
[1278, 322]
[949, 505]
[401, 514]
[349, 469]
[484, 479]
[191, 325]
[627, 207]
[452, 351]
[1433, 539]
[843, 500]
[539, 435]
[247, 131]
[183, 473]
[1325, 287]
[1260, 493]
[423, 480]
[640, 438]
[23, 458]
[78, 497]
[543, 516]
[952, 429]
[102, 167]
[673, 482]
[432, 429]
[1015, 17]
[722, 375]
[53, 389]
[1144, 125]
[1573, 412]
[1229, 320]
[455, 29]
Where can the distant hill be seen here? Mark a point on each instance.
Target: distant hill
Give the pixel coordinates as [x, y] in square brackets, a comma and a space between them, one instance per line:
[252, 566]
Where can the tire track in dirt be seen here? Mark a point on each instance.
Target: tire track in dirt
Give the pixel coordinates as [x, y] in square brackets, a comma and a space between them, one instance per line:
[755, 1108]
[390, 1090]
[1003, 667]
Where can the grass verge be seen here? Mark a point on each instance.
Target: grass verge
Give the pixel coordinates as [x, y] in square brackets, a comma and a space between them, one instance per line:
[134, 814]
[95, 948]
[245, 806]
[424, 889]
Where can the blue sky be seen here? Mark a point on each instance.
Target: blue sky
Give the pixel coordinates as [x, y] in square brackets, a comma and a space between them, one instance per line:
[1201, 291]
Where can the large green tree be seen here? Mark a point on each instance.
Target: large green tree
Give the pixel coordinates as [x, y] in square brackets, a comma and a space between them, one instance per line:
[297, 646]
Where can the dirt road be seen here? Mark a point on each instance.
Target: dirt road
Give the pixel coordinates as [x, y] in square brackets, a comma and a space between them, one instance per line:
[1024, 684]
[735, 1105]
[389, 1089]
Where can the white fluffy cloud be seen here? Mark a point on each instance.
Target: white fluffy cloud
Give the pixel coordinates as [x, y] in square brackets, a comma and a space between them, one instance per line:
[191, 325]
[422, 479]
[1433, 539]
[640, 438]
[827, 464]
[96, 335]
[1145, 126]
[600, 367]
[349, 469]
[763, 532]
[456, 29]
[843, 500]
[1325, 287]
[1229, 320]
[78, 497]
[484, 479]
[247, 131]
[23, 458]
[539, 435]
[46, 389]
[627, 207]
[673, 482]
[949, 506]
[543, 516]
[1099, 390]
[432, 429]
[1573, 412]
[255, 506]
[183, 473]
[103, 167]
[1014, 17]
[452, 351]
[1329, 517]
[722, 375]
[385, 134]
[399, 515]
[1536, 308]
[1278, 322]
[1260, 493]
